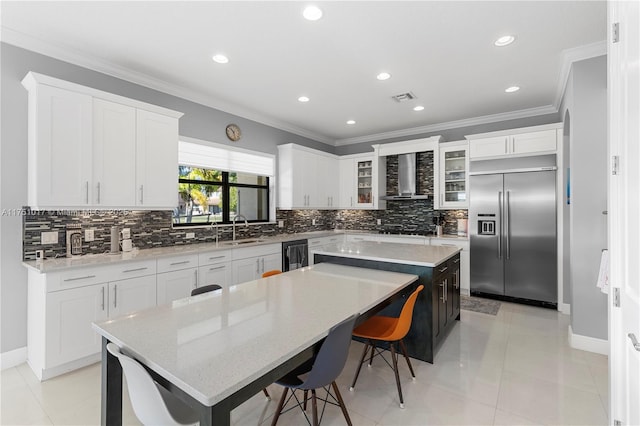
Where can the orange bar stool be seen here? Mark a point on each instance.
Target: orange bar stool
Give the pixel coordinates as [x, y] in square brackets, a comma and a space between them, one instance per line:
[381, 329]
[271, 272]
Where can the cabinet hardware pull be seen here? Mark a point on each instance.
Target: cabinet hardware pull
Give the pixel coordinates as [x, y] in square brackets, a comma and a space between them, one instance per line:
[443, 291]
[443, 269]
[507, 231]
[115, 295]
[86, 190]
[80, 278]
[500, 225]
[446, 288]
[217, 257]
[98, 192]
[257, 266]
[634, 341]
[141, 194]
[179, 263]
[103, 298]
[456, 260]
[263, 264]
[217, 267]
[195, 273]
[135, 270]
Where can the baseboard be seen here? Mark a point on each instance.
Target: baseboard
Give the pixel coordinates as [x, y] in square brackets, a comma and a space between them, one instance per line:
[12, 358]
[586, 343]
[465, 291]
[565, 308]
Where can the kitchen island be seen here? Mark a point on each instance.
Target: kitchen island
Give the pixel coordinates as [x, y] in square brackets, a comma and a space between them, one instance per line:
[438, 268]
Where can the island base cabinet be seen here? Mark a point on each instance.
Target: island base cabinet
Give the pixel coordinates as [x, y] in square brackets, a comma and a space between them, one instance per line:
[445, 297]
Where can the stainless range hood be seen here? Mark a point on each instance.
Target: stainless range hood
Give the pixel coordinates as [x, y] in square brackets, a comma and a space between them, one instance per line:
[406, 179]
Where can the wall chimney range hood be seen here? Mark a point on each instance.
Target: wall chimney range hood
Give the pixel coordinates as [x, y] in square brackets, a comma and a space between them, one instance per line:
[406, 179]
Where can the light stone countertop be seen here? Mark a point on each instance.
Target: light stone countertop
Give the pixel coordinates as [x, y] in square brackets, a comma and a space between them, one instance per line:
[216, 343]
[407, 254]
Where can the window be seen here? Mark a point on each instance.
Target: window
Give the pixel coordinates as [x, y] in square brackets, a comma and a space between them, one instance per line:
[208, 191]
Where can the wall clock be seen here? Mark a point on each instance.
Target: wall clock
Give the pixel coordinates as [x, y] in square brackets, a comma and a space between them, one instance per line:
[233, 132]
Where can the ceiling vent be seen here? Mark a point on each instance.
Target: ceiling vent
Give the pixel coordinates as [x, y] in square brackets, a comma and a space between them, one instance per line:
[404, 97]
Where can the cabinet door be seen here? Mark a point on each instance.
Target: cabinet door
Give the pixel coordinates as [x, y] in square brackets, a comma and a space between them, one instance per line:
[453, 179]
[271, 261]
[533, 142]
[60, 149]
[127, 296]
[219, 274]
[309, 178]
[364, 183]
[114, 154]
[329, 182]
[156, 160]
[436, 307]
[175, 284]
[69, 334]
[454, 291]
[246, 270]
[488, 147]
[347, 183]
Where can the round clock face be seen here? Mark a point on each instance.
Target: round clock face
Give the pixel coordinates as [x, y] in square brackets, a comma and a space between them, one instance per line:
[233, 132]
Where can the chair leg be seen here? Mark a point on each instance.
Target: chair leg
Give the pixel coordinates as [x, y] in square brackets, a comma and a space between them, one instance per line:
[266, 393]
[343, 407]
[394, 357]
[373, 350]
[304, 405]
[276, 416]
[364, 354]
[404, 352]
[314, 407]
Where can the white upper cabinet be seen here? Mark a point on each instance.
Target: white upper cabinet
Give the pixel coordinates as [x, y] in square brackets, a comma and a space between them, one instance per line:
[92, 149]
[114, 154]
[59, 148]
[307, 179]
[515, 142]
[451, 171]
[156, 160]
[360, 181]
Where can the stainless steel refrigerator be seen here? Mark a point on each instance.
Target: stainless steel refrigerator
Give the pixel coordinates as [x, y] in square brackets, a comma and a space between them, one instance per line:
[512, 221]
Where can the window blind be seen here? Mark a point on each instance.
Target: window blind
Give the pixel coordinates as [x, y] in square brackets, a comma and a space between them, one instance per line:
[220, 157]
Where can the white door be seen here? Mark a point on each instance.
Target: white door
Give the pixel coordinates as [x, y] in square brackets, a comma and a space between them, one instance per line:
[175, 284]
[246, 270]
[219, 274]
[133, 294]
[347, 183]
[62, 170]
[69, 317]
[156, 160]
[114, 154]
[624, 211]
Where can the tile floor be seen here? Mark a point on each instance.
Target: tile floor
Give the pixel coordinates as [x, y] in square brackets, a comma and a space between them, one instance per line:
[513, 368]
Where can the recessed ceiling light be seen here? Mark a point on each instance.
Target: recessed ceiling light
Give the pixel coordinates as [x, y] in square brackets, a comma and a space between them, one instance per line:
[383, 76]
[418, 108]
[351, 121]
[303, 99]
[312, 13]
[512, 89]
[504, 40]
[221, 59]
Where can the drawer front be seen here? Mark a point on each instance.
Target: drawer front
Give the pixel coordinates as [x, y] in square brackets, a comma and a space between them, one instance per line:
[213, 257]
[322, 241]
[133, 270]
[243, 253]
[76, 278]
[176, 263]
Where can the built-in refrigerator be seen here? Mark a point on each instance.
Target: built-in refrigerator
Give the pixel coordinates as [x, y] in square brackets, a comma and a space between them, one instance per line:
[512, 229]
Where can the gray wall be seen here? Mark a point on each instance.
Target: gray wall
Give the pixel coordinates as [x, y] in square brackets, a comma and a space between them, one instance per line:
[586, 101]
[198, 122]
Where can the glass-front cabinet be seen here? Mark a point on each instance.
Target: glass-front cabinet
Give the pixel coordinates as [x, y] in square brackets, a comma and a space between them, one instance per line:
[453, 175]
[364, 183]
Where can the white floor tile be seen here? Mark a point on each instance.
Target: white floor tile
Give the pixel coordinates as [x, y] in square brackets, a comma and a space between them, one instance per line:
[512, 368]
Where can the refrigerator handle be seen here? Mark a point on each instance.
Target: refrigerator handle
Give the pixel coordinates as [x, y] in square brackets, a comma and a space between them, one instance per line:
[499, 228]
[507, 230]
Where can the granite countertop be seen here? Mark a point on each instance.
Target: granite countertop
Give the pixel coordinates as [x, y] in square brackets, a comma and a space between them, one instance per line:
[248, 329]
[408, 254]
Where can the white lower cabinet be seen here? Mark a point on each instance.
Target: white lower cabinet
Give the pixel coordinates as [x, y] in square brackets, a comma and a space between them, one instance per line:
[250, 263]
[176, 284]
[215, 268]
[133, 294]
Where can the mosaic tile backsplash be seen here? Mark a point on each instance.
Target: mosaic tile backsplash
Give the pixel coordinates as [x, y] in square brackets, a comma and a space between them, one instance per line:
[151, 229]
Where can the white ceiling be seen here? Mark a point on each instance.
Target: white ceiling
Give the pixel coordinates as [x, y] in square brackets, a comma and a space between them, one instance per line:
[442, 51]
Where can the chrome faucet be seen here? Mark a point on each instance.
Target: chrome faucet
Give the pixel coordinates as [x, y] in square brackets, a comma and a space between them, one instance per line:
[236, 217]
[214, 225]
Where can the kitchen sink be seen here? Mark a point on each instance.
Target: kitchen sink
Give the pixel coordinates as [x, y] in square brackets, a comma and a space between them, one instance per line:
[242, 242]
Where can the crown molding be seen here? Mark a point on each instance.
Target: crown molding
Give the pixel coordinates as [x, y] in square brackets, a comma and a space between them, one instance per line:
[91, 62]
[576, 54]
[413, 131]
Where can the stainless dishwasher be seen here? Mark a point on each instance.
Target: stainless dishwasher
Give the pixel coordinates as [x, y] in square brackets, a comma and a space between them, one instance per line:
[295, 254]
